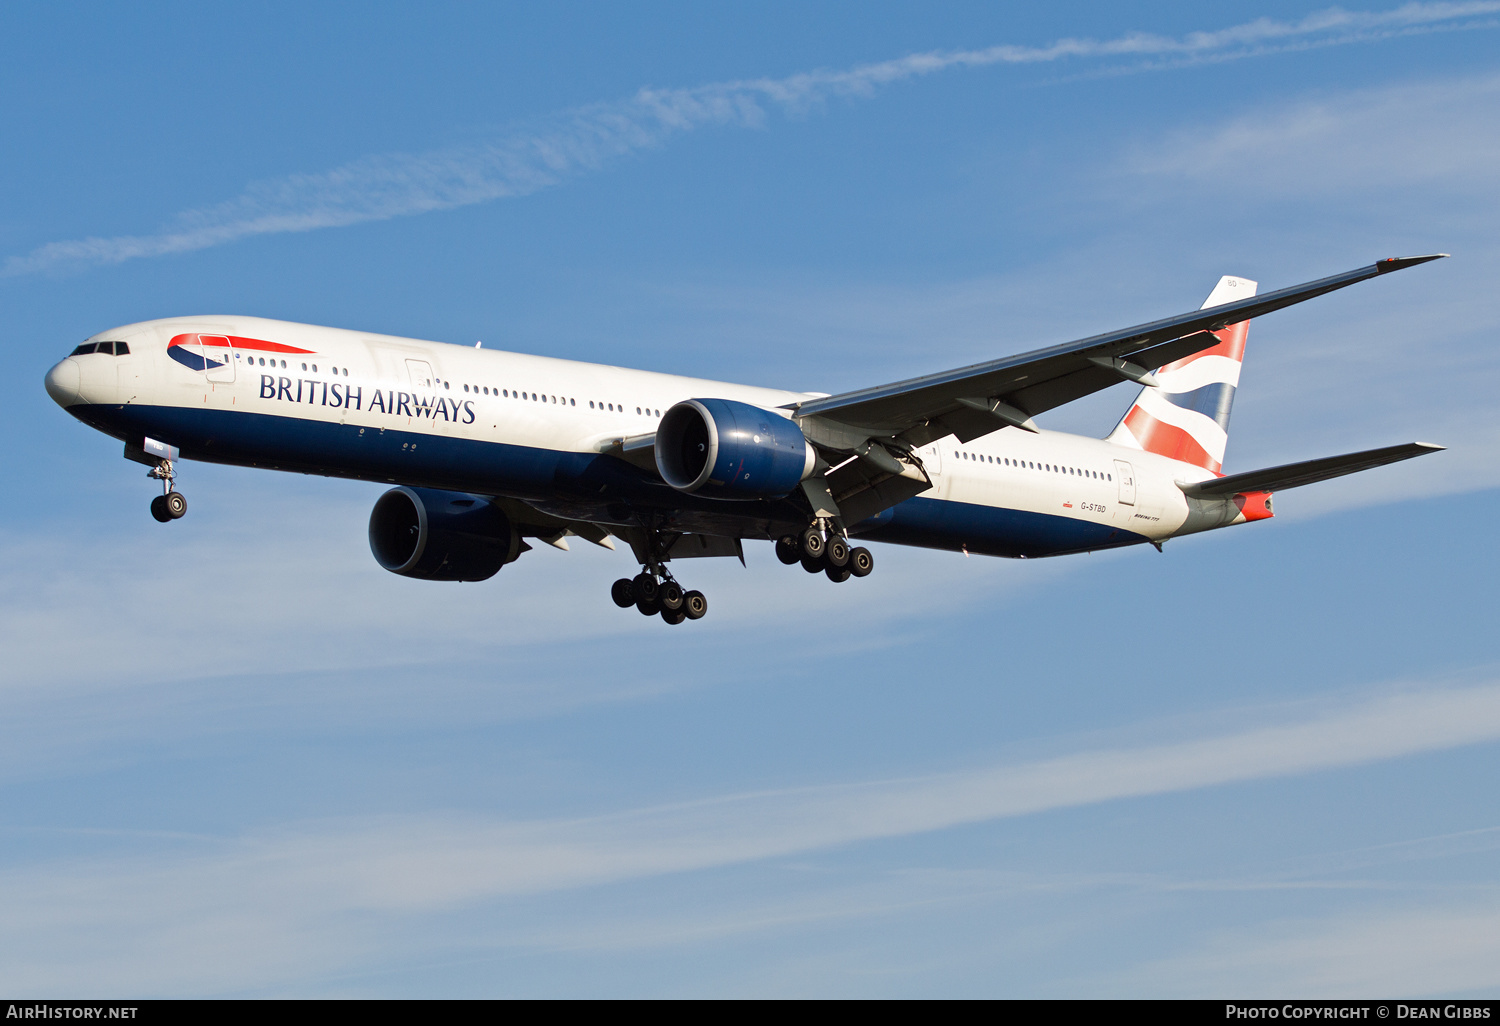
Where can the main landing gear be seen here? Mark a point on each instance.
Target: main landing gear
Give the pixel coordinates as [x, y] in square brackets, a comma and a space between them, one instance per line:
[653, 591]
[170, 504]
[828, 554]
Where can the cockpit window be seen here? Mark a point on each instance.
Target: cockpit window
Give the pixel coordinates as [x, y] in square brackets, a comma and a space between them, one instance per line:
[111, 348]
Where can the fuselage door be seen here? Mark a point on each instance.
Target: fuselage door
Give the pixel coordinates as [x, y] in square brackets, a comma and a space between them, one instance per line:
[1125, 474]
[218, 357]
[932, 458]
[420, 372]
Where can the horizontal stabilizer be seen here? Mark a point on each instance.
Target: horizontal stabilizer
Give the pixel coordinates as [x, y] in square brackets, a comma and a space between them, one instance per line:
[1293, 475]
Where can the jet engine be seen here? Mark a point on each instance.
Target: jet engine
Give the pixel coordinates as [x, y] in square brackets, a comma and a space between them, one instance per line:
[724, 449]
[441, 536]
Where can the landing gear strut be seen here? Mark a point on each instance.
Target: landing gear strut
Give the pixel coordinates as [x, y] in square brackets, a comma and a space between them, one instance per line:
[828, 554]
[655, 591]
[170, 504]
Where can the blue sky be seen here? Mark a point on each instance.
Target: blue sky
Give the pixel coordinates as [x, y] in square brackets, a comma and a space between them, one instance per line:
[239, 759]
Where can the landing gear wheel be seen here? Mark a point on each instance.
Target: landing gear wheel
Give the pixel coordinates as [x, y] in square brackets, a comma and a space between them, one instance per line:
[861, 562]
[670, 596]
[838, 574]
[646, 587]
[647, 594]
[159, 509]
[694, 605]
[787, 550]
[623, 592]
[837, 554]
[813, 564]
[673, 616]
[812, 544]
[176, 505]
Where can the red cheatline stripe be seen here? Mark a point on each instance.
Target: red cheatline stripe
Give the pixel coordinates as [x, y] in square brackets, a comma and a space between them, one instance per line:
[1167, 440]
[225, 341]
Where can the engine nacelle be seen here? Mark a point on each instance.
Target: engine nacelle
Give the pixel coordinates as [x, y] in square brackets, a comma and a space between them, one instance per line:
[724, 449]
[441, 536]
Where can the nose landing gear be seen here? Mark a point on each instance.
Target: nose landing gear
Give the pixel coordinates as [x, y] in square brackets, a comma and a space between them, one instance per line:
[170, 504]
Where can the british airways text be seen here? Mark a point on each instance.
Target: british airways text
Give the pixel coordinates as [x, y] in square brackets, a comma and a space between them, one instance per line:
[338, 394]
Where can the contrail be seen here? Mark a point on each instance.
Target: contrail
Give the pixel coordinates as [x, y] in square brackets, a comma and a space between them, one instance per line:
[380, 187]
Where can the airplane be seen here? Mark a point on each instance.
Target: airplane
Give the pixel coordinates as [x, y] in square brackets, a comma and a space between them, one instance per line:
[488, 448]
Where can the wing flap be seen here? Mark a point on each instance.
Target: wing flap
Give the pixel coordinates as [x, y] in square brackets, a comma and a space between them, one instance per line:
[1294, 475]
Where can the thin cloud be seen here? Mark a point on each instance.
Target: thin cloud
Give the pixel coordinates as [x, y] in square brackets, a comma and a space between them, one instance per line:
[200, 919]
[1447, 947]
[381, 187]
[1437, 136]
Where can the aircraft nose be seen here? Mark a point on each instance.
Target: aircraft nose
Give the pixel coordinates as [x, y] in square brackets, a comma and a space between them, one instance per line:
[62, 382]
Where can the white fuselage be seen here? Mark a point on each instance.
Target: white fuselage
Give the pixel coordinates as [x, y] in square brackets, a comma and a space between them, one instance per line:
[435, 394]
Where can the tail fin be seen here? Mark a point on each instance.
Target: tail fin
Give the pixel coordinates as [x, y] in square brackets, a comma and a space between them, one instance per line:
[1186, 416]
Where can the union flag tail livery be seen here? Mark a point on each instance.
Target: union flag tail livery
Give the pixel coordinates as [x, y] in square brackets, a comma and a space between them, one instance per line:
[1186, 416]
[488, 448]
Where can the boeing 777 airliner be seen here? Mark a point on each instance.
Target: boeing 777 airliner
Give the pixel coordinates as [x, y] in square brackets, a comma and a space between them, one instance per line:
[489, 448]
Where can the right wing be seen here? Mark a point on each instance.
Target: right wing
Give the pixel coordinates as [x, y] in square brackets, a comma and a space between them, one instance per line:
[985, 397]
